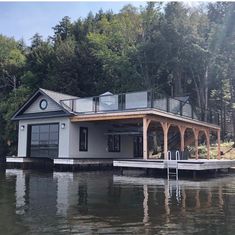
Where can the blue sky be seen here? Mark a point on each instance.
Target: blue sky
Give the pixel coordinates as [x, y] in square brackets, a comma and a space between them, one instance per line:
[24, 19]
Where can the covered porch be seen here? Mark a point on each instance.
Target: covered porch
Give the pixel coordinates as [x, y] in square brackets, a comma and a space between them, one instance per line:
[155, 133]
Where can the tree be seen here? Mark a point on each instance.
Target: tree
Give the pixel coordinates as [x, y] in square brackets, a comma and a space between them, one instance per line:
[39, 60]
[8, 106]
[63, 30]
[12, 60]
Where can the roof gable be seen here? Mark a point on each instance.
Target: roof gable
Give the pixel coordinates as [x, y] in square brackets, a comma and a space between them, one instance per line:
[31, 108]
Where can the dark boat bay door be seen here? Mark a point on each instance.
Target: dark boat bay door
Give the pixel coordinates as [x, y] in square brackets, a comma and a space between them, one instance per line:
[43, 140]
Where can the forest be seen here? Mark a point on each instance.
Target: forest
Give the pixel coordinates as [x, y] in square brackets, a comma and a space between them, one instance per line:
[171, 47]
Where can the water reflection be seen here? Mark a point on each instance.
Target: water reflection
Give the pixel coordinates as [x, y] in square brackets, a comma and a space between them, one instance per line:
[67, 192]
[103, 203]
[19, 189]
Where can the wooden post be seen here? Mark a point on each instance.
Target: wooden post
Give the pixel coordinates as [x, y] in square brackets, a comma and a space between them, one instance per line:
[207, 132]
[196, 133]
[146, 123]
[165, 127]
[182, 131]
[218, 143]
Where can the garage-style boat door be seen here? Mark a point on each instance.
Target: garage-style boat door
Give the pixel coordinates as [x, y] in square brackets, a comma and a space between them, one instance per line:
[43, 140]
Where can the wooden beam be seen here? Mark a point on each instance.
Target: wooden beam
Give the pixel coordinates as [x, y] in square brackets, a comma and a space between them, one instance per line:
[218, 143]
[165, 127]
[146, 123]
[104, 118]
[207, 133]
[196, 133]
[178, 123]
[140, 114]
[182, 130]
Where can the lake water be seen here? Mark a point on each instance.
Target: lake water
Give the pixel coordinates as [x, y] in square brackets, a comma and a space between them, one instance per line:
[34, 202]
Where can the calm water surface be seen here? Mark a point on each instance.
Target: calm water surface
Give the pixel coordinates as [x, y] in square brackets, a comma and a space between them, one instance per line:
[103, 203]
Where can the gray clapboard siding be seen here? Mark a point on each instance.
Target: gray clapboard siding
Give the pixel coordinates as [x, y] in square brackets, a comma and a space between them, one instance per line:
[34, 108]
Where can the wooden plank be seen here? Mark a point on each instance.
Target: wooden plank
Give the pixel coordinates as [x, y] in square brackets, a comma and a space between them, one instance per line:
[87, 118]
[139, 164]
[198, 165]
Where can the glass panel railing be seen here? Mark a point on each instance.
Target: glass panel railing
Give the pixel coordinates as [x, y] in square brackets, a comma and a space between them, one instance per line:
[160, 104]
[83, 105]
[197, 114]
[108, 103]
[136, 100]
[139, 100]
[187, 110]
[67, 104]
[174, 106]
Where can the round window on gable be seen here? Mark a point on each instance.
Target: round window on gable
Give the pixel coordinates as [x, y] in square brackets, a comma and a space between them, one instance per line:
[43, 104]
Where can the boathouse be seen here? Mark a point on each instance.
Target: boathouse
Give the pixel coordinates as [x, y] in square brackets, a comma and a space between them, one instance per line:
[134, 125]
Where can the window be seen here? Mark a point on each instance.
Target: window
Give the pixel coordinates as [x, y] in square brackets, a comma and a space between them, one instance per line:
[83, 140]
[44, 140]
[114, 143]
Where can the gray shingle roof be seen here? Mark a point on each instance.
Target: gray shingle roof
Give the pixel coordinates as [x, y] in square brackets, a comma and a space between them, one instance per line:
[56, 96]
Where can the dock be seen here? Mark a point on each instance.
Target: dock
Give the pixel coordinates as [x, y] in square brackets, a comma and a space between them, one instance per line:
[61, 164]
[72, 164]
[183, 165]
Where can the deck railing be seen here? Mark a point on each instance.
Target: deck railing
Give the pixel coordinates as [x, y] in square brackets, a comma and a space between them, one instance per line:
[139, 101]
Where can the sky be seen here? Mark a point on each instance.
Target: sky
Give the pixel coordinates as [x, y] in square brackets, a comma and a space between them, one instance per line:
[22, 20]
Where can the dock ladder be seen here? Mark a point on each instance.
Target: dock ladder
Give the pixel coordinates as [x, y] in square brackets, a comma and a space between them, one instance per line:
[172, 165]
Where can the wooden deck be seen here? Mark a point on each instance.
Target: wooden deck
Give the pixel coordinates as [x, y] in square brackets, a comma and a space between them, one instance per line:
[183, 165]
[189, 165]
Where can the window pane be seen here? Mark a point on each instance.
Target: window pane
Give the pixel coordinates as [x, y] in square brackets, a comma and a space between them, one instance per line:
[110, 143]
[54, 128]
[53, 142]
[44, 128]
[35, 129]
[83, 142]
[117, 143]
[35, 136]
[54, 136]
[114, 143]
[44, 136]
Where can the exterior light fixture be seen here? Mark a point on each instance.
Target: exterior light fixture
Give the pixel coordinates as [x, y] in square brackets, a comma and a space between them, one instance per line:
[22, 127]
[62, 125]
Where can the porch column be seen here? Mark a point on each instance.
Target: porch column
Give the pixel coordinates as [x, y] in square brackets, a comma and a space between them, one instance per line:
[182, 131]
[218, 143]
[165, 127]
[207, 132]
[196, 133]
[146, 123]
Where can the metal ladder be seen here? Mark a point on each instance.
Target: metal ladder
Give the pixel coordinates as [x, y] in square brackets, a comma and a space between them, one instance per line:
[173, 165]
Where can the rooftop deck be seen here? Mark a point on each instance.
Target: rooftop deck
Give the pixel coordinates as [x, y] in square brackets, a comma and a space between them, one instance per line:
[137, 101]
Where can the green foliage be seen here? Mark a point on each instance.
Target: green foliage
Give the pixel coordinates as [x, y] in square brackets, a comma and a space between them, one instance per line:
[12, 61]
[8, 106]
